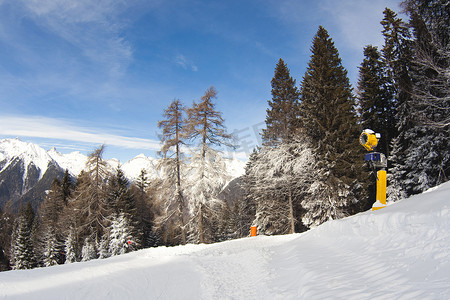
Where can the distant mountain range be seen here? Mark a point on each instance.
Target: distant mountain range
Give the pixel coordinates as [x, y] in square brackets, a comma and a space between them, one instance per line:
[27, 170]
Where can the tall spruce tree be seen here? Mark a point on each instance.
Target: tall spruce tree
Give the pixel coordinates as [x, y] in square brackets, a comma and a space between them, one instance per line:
[376, 108]
[431, 60]
[329, 119]
[66, 186]
[6, 225]
[280, 176]
[207, 169]
[122, 213]
[277, 211]
[145, 215]
[427, 157]
[397, 55]
[22, 247]
[283, 113]
[51, 236]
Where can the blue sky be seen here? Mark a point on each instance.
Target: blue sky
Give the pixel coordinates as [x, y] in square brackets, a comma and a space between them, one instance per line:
[76, 74]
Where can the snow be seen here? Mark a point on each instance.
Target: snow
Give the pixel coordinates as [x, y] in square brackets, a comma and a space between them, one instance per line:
[132, 168]
[235, 167]
[401, 251]
[378, 204]
[30, 154]
[75, 162]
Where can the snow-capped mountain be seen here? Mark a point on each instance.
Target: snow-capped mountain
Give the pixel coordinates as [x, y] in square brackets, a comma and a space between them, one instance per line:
[132, 168]
[30, 154]
[27, 170]
[74, 162]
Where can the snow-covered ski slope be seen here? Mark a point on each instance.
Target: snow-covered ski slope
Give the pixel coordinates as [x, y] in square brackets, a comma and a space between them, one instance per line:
[399, 252]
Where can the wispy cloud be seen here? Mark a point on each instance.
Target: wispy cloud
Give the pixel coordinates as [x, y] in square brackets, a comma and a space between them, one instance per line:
[352, 24]
[42, 127]
[91, 26]
[185, 63]
[357, 21]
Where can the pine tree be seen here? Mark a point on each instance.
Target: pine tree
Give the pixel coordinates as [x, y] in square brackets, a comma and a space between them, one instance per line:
[88, 251]
[280, 177]
[145, 215]
[51, 235]
[66, 186]
[282, 122]
[87, 210]
[429, 21]
[376, 107]
[120, 198]
[23, 256]
[427, 159]
[6, 224]
[208, 172]
[247, 207]
[74, 219]
[142, 181]
[329, 120]
[121, 238]
[397, 59]
[53, 248]
[283, 115]
[70, 247]
[172, 139]
[227, 225]
[123, 206]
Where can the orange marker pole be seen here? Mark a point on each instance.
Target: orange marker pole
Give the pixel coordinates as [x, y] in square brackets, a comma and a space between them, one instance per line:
[253, 230]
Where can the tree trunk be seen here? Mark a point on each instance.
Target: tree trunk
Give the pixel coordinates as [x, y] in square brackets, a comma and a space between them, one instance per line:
[291, 214]
[201, 239]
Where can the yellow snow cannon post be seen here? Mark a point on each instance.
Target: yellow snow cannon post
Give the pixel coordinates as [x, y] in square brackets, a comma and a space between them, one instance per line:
[369, 140]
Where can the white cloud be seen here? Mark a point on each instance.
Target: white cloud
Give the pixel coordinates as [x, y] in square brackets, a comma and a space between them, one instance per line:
[358, 22]
[352, 24]
[43, 127]
[185, 63]
[92, 27]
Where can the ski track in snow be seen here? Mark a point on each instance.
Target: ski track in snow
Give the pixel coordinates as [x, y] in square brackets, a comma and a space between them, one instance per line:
[239, 270]
[399, 252]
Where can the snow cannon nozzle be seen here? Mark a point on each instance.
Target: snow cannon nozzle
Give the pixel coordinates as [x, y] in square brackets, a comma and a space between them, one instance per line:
[369, 139]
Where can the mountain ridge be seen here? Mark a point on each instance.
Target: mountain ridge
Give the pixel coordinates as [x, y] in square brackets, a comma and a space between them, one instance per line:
[27, 170]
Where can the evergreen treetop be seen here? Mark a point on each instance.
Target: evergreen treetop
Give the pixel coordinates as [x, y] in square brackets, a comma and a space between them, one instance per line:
[376, 108]
[328, 106]
[283, 115]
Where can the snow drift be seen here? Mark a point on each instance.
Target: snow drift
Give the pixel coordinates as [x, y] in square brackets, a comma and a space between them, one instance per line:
[399, 252]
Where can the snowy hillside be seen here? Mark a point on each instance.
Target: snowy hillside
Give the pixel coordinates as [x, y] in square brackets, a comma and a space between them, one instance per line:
[399, 252]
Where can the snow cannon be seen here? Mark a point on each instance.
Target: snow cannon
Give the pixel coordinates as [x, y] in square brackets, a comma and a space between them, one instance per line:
[369, 140]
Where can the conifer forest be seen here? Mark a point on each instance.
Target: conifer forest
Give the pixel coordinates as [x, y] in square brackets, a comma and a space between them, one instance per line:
[309, 169]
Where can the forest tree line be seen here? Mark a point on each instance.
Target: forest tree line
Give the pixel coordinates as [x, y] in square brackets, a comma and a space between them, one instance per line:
[310, 168]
